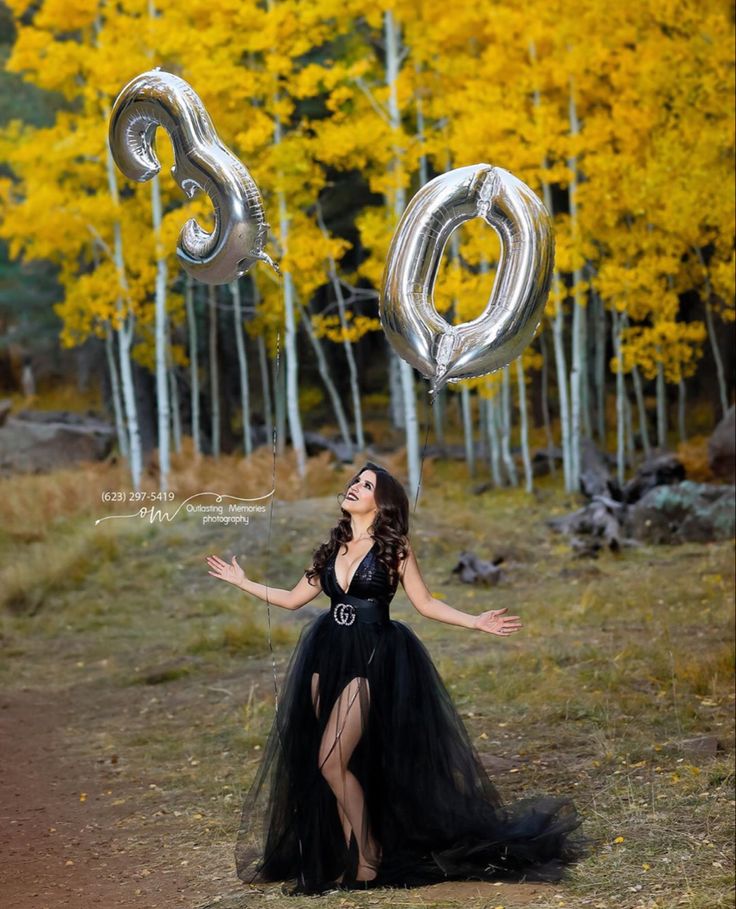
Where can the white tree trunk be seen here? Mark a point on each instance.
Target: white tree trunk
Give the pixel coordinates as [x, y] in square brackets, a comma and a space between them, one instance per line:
[162, 391]
[620, 392]
[290, 344]
[291, 377]
[214, 373]
[576, 414]
[279, 385]
[545, 403]
[174, 398]
[396, 399]
[508, 459]
[577, 374]
[125, 340]
[268, 413]
[600, 367]
[353, 373]
[713, 337]
[523, 425]
[558, 323]
[125, 333]
[290, 340]
[661, 406]
[587, 386]
[558, 329]
[439, 406]
[125, 315]
[242, 366]
[193, 362]
[347, 345]
[468, 428]
[266, 387]
[412, 427]
[641, 406]
[324, 372]
[392, 45]
[493, 440]
[630, 440]
[483, 453]
[117, 405]
[558, 337]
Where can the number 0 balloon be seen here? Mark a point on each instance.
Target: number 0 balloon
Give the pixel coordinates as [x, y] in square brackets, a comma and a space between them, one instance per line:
[201, 162]
[448, 353]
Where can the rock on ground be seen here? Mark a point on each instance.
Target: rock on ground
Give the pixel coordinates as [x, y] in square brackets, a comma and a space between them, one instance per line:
[683, 512]
[42, 441]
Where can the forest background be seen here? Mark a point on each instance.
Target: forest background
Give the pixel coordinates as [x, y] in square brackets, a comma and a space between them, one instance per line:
[620, 119]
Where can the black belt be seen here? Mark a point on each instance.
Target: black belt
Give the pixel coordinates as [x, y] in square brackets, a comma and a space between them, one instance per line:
[345, 610]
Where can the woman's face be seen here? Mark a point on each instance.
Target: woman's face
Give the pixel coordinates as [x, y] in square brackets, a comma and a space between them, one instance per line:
[360, 497]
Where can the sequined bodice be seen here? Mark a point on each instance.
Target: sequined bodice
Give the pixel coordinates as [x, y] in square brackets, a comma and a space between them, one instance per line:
[370, 580]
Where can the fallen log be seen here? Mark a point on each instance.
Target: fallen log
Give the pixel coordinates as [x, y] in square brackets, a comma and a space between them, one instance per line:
[595, 473]
[473, 570]
[596, 526]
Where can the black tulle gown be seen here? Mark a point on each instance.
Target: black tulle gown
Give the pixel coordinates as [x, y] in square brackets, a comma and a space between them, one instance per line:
[426, 798]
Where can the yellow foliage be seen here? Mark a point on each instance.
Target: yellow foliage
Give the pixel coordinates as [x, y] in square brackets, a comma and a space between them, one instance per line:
[676, 345]
[649, 168]
[353, 330]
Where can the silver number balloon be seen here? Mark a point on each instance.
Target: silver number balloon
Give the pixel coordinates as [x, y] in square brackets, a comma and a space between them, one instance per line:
[201, 162]
[448, 353]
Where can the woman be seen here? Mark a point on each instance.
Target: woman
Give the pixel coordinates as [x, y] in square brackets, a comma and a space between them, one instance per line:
[368, 776]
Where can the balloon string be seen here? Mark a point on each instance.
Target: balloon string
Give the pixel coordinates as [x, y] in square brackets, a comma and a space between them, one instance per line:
[277, 725]
[268, 613]
[427, 407]
[270, 518]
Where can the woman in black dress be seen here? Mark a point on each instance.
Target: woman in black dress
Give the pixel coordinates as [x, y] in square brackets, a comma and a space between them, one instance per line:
[368, 776]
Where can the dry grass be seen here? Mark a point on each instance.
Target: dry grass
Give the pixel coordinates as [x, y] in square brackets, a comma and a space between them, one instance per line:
[53, 564]
[621, 660]
[34, 505]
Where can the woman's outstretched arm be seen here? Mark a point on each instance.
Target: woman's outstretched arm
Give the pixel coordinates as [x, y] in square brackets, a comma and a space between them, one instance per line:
[493, 621]
[304, 591]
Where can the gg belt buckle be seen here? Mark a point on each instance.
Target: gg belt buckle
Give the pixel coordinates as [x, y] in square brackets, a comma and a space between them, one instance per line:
[344, 613]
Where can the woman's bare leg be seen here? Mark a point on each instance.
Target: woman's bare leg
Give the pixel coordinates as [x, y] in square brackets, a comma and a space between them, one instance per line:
[344, 822]
[342, 733]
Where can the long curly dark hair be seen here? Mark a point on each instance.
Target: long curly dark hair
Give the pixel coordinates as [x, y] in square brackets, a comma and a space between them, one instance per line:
[390, 526]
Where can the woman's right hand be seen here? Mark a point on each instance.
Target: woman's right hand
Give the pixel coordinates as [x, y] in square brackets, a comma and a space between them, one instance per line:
[226, 571]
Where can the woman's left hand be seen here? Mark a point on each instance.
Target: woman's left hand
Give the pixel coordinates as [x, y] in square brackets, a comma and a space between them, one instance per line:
[495, 623]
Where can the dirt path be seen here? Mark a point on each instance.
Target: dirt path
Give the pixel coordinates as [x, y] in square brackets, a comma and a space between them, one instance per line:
[73, 832]
[66, 835]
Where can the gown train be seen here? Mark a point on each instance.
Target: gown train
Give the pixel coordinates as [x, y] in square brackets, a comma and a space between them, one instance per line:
[369, 771]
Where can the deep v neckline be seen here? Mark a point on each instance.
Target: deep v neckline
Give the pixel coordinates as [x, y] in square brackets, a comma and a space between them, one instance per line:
[350, 583]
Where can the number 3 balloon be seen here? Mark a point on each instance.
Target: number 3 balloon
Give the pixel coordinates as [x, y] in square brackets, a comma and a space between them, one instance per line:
[201, 162]
[448, 353]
